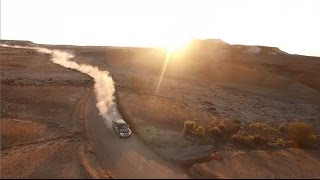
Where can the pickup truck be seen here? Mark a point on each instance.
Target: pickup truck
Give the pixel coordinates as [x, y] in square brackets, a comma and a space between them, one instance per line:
[121, 128]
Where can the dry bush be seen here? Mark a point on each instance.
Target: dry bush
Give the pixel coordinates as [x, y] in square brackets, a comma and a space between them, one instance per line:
[280, 142]
[222, 127]
[213, 123]
[215, 131]
[264, 128]
[219, 127]
[302, 134]
[237, 121]
[217, 156]
[200, 131]
[9, 81]
[259, 125]
[243, 133]
[215, 127]
[189, 127]
[230, 128]
[271, 130]
[282, 127]
[258, 139]
[249, 140]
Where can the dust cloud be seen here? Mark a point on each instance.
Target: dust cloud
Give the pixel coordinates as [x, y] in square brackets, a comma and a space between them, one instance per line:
[103, 86]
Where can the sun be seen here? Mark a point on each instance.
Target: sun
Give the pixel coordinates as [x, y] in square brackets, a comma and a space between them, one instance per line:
[175, 44]
[173, 48]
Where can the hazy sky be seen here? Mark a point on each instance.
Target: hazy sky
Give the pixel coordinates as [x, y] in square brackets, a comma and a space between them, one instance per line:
[292, 25]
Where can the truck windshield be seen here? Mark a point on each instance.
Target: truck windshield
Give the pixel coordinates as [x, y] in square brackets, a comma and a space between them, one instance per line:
[122, 125]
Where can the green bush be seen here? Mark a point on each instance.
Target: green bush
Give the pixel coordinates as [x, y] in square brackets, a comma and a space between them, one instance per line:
[189, 127]
[302, 134]
[200, 131]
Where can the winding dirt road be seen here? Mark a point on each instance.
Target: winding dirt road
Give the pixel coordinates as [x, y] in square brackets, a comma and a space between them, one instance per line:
[125, 158]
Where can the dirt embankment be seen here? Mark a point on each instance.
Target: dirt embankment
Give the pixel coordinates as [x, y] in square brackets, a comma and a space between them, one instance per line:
[42, 128]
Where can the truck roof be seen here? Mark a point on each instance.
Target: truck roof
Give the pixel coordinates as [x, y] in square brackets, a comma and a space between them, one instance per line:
[120, 121]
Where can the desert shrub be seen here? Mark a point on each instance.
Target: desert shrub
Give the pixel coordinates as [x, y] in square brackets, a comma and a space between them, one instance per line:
[243, 133]
[230, 128]
[280, 142]
[9, 81]
[189, 127]
[237, 121]
[215, 131]
[271, 130]
[264, 128]
[258, 139]
[200, 131]
[222, 127]
[212, 124]
[282, 127]
[217, 156]
[259, 125]
[302, 134]
[249, 140]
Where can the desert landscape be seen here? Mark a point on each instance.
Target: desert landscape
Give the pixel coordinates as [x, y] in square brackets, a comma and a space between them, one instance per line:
[210, 110]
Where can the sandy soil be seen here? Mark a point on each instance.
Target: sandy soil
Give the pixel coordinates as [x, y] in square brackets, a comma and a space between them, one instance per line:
[293, 163]
[42, 107]
[237, 88]
[41, 132]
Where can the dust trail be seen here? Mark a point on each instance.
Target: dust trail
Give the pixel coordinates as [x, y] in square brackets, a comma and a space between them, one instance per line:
[103, 86]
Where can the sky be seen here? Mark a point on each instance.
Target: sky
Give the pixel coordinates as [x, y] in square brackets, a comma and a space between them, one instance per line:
[291, 25]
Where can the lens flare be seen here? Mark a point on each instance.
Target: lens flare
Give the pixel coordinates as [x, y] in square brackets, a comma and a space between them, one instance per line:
[168, 55]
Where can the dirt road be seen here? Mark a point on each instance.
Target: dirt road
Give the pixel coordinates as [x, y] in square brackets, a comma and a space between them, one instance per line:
[126, 158]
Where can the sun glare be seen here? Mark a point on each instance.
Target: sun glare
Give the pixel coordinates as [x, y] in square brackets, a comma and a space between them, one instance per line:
[176, 44]
[173, 47]
[165, 24]
[168, 55]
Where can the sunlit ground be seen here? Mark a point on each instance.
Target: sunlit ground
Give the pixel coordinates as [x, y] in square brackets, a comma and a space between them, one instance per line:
[168, 54]
[176, 46]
